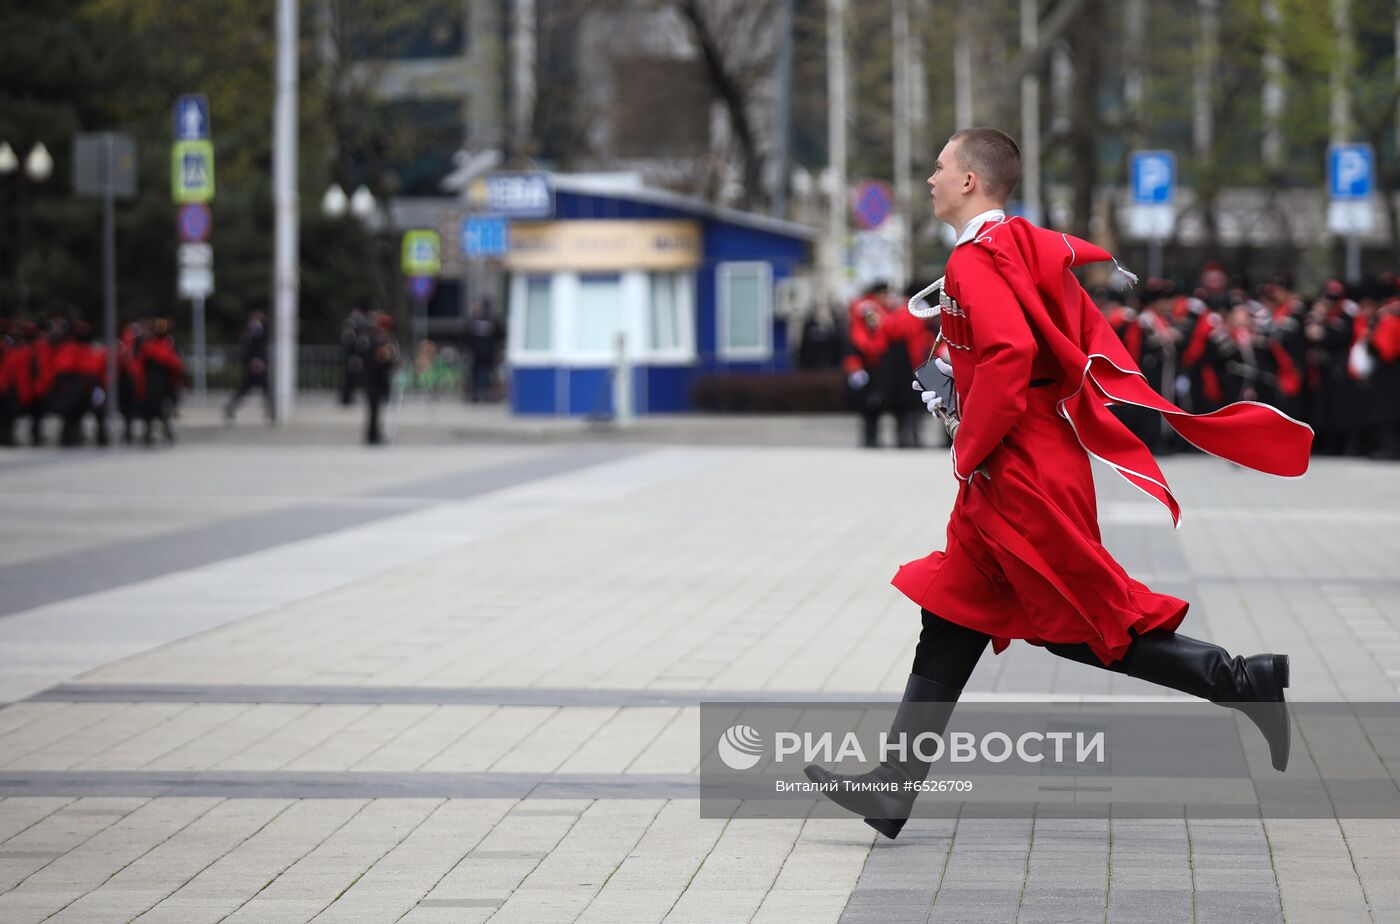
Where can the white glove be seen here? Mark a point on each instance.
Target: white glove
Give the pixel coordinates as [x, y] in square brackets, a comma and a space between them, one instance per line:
[858, 379]
[933, 401]
[943, 367]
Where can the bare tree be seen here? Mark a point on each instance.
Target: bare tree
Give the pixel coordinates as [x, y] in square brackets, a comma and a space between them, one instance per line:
[737, 47]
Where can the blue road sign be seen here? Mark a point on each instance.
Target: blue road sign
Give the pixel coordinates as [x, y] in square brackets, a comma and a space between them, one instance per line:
[422, 287]
[874, 203]
[1351, 171]
[194, 223]
[191, 117]
[484, 237]
[1153, 177]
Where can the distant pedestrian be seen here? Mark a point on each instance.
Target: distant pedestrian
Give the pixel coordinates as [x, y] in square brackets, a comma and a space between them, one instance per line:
[869, 342]
[1385, 379]
[254, 360]
[380, 361]
[131, 377]
[16, 377]
[820, 346]
[485, 338]
[79, 374]
[164, 375]
[354, 340]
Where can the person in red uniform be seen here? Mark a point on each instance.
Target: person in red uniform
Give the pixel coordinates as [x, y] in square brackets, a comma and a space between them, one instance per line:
[16, 379]
[43, 341]
[1035, 366]
[162, 377]
[887, 344]
[1287, 348]
[869, 344]
[1384, 344]
[131, 377]
[79, 370]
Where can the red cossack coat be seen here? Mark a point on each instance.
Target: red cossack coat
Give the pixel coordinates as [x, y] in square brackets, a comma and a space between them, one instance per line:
[1024, 557]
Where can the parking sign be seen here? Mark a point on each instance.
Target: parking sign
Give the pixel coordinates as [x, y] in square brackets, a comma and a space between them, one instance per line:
[1351, 171]
[1154, 177]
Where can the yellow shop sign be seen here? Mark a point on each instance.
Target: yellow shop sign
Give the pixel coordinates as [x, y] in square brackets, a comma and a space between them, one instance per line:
[603, 245]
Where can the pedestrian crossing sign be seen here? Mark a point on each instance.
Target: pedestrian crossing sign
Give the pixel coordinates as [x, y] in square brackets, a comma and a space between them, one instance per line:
[192, 171]
[422, 253]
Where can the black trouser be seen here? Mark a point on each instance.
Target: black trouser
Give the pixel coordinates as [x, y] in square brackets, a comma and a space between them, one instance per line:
[870, 428]
[9, 413]
[250, 381]
[947, 652]
[374, 399]
[482, 375]
[37, 409]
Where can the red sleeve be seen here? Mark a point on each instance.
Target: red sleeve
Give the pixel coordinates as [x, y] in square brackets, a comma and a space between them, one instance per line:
[904, 329]
[1132, 340]
[1289, 381]
[1196, 347]
[1386, 339]
[868, 344]
[1003, 350]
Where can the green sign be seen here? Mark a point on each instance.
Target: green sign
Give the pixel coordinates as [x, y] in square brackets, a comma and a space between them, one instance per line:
[422, 253]
[192, 171]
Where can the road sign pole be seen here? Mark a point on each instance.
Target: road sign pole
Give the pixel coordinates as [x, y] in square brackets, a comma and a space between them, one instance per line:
[109, 276]
[420, 323]
[1154, 258]
[1351, 182]
[201, 382]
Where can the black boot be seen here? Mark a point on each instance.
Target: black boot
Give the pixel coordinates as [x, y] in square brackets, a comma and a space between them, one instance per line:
[884, 811]
[1253, 685]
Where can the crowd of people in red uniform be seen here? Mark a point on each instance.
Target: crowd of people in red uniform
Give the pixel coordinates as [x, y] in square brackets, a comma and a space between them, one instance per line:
[58, 368]
[1331, 361]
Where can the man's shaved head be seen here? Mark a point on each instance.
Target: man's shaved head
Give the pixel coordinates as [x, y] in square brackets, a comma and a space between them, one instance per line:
[992, 154]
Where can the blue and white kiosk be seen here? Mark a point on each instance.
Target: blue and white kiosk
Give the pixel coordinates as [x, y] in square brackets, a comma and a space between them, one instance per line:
[689, 287]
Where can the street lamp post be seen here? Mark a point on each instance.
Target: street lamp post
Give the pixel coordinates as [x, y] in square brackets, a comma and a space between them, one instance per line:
[334, 203]
[365, 207]
[9, 163]
[39, 164]
[38, 167]
[362, 208]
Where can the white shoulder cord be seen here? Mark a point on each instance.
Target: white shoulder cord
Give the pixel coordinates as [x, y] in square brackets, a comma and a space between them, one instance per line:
[931, 308]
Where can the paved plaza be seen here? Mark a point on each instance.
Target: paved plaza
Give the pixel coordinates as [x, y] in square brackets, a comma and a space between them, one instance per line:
[275, 676]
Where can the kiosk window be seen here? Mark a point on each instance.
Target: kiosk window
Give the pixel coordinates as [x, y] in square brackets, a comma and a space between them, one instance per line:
[598, 320]
[745, 293]
[670, 314]
[538, 327]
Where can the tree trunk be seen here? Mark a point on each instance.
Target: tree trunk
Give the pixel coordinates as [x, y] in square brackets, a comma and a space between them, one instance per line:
[1083, 129]
[731, 93]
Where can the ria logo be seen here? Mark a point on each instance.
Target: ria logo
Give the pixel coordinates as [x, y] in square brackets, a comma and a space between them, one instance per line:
[740, 747]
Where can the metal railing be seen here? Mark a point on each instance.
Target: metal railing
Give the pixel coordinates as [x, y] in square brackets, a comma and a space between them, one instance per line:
[322, 368]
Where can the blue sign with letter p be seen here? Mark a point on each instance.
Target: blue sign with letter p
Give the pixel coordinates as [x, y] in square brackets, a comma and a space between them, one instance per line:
[1351, 171]
[1153, 177]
